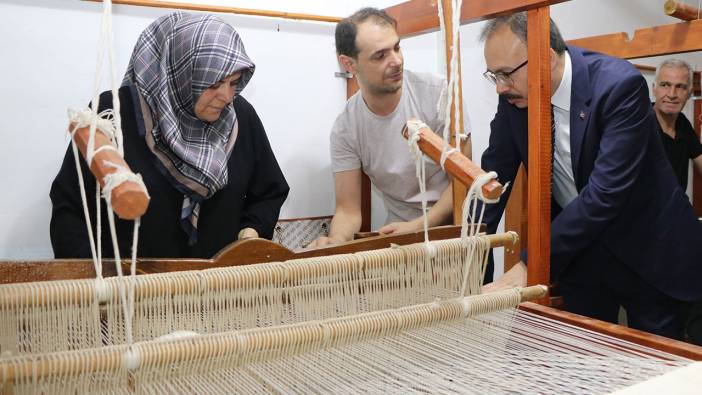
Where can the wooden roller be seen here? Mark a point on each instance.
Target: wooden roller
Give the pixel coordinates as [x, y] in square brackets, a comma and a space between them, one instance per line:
[457, 164]
[679, 10]
[129, 199]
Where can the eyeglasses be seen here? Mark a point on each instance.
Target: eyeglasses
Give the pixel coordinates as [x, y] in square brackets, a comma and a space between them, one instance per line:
[503, 78]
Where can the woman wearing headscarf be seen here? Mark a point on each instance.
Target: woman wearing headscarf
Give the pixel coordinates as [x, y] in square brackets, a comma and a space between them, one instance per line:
[198, 145]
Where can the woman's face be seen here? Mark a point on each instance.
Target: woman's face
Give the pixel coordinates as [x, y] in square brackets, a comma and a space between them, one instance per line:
[212, 101]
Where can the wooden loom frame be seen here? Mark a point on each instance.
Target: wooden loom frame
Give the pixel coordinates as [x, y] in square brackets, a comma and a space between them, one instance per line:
[415, 17]
[419, 16]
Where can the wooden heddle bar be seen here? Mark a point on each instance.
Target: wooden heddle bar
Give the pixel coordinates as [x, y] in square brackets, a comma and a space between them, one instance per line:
[680, 10]
[457, 164]
[129, 199]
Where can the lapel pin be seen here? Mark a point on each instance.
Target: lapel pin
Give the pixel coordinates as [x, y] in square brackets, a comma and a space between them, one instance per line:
[582, 115]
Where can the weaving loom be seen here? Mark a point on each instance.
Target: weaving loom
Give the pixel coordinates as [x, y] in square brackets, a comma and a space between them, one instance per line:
[402, 319]
[388, 320]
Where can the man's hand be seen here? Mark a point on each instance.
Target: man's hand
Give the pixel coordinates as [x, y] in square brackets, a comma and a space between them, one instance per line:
[247, 233]
[324, 241]
[515, 277]
[400, 227]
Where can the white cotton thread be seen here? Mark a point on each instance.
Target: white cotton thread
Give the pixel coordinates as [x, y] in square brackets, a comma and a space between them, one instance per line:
[413, 128]
[131, 359]
[475, 193]
[109, 123]
[177, 335]
[103, 290]
[122, 175]
[102, 122]
[446, 99]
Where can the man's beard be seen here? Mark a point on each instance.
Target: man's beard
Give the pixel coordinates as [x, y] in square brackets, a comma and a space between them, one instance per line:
[386, 89]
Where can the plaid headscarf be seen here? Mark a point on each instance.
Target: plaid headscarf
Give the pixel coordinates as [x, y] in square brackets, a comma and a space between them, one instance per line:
[175, 60]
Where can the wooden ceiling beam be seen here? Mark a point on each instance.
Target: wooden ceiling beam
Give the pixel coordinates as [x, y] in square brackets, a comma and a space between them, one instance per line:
[416, 17]
[227, 10]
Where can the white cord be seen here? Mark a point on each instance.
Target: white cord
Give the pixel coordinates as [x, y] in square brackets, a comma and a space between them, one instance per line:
[413, 128]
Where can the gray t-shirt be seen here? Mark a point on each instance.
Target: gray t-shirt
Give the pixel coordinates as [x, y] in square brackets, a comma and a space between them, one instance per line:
[363, 140]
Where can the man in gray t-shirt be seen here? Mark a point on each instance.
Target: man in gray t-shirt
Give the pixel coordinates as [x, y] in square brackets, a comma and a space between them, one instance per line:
[366, 135]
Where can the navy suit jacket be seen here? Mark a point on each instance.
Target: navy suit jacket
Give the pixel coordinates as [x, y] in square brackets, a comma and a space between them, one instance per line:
[629, 200]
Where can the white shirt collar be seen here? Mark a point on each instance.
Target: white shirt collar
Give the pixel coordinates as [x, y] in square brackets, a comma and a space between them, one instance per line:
[561, 97]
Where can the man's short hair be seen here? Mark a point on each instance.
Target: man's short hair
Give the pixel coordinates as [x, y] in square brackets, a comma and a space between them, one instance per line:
[676, 63]
[345, 34]
[517, 22]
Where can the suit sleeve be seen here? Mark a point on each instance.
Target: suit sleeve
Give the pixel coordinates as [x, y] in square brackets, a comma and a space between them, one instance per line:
[625, 132]
[501, 156]
[267, 189]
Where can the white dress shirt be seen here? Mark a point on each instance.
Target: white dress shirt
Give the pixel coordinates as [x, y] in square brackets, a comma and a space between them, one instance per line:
[564, 190]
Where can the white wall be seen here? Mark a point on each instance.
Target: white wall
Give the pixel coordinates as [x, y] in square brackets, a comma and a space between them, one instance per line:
[48, 52]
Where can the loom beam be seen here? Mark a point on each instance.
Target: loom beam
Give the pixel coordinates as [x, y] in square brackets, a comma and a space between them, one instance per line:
[457, 164]
[129, 199]
[680, 10]
[84, 292]
[264, 341]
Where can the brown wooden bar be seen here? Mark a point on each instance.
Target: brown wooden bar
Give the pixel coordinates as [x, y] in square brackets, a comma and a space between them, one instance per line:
[242, 252]
[515, 216]
[129, 199]
[351, 89]
[226, 10]
[652, 41]
[457, 164]
[421, 16]
[366, 210]
[635, 336]
[539, 180]
[680, 10]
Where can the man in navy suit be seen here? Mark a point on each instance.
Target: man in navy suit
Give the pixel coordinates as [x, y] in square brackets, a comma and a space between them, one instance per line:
[622, 230]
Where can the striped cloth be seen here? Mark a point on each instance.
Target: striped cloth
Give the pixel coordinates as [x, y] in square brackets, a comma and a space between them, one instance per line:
[174, 61]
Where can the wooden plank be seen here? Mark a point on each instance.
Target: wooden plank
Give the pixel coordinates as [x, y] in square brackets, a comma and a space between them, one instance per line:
[421, 16]
[242, 252]
[516, 217]
[539, 180]
[226, 10]
[366, 209]
[644, 68]
[632, 335]
[653, 41]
